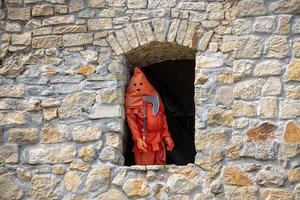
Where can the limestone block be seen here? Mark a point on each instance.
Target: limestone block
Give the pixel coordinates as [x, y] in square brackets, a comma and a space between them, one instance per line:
[266, 150]
[264, 24]
[293, 70]
[292, 132]
[272, 87]
[12, 90]
[276, 194]
[268, 108]
[292, 91]
[289, 109]
[56, 20]
[241, 108]
[54, 134]
[9, 189]
[98, 178]
[284, 24]
[210, 140]
[243, 26]
[77, 39]
[50, 113]
[23, 136]
[105, 111]
[277, 47]
[42, 10]
[234, 176]
[82, 134]
[99, 24]
[76, 5]
[248, 90]
[12, 118]
[242, 69]
[112, 41]
[96, 3]
[271, 177]
[22, 14]
[51, 155]
[268, 68]
[87, 153]
[285, 6]
[72, 181]
[45, 187]
[136, 4]
[249, 46]
[112, 194]
[251, 8]
[161, 29]
[264, 132]
[210, 60]
[238, 193]
[9, 154]
[140, 34]
[136, 187]
[69, 29]
[48, 41]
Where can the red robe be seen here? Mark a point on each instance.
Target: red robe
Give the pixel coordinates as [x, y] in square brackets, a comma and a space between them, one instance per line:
[156, 126]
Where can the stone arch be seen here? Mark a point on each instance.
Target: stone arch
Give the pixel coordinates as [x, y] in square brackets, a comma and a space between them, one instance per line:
[184, 36]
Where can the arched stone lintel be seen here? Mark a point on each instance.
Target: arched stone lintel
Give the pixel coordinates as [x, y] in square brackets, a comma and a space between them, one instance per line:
[140, 34]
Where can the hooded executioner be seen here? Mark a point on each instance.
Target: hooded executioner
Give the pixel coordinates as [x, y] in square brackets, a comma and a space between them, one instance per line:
[146, 118]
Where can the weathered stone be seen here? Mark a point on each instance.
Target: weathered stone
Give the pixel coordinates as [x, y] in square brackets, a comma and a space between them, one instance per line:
[9, 189]
[23, 136]
[277, 47]
[96, 3]
[9, 153]
[136, 187]
[285, 6]
[83, 99]
[243, 26]
[268, 68]
[233, 151]
[105, 111]
[248, 89]
[80, 166]
[264, 24]
[111, 95]
[21, 39]
[284, 24]
[86, 134]
[292, 132]
[54, 134]
[24, 174]
[77, 39]
[58, 170]
[50, 113]
[248, 47]
[48, 41]
[239, 193]
[276, 194]
[296, 48]
[181, 184]
[69, 112]
[12, 90]
[70, 29]
[264, 132]
[161, 29]
[87, 153]
[51, 155]
[292, 92]
[234, 176]
[294, 175]
[42, 10]
[220, 117]
[293, 70]
[112, 194]
[22, 14]
[225, 78]
[268, 108]
[251, 8]
[72, 181]
[288, 150]
[76, 5]
[266, 150]
[45, 187]
[13, 27]
[12, 118]
[241, 108]
[109, 154]
[98, 178]
[99, 24]
[204, 41]
[210, 60]
[242, 69]
[271, 177]
[89, 55]
[56, 20]
[135, 4]
[114, 140]
[289, 109]
[86, 70]
[210, 140]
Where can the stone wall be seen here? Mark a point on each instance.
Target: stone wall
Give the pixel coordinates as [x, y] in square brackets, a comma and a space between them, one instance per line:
[64, 69]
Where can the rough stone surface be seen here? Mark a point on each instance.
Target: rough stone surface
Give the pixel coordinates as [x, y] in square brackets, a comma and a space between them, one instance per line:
[293, 71]
[292, 132]
[45, 187]
[23, 136]
[270, 177]
[8, 188]
[98, 178]
[136, 187]
[72, 181]
[234, 176]
[264, 132]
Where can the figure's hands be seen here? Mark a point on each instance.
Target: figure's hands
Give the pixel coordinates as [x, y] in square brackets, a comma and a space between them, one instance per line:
[142, 146]
[170, 143]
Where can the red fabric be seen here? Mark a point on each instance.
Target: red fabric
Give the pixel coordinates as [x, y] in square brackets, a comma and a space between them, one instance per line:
[156, 126]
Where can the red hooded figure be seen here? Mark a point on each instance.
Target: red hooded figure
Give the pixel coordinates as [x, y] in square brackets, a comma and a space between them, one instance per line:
[147, 121]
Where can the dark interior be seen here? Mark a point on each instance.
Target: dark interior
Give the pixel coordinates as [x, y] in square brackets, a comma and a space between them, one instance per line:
[174, 80]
